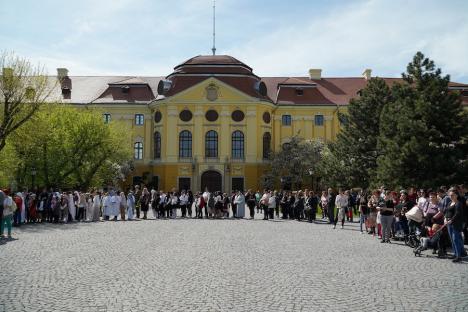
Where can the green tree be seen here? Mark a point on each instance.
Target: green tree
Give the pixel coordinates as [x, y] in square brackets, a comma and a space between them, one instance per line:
[23, 89]
[352, 159]
[70, 147]
[296, 160]
[423, 132]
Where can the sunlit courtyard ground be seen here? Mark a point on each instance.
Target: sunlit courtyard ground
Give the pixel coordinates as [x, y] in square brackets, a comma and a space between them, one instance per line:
[220, 265]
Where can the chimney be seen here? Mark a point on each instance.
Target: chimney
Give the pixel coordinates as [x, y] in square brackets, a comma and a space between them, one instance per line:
[62, 73]
[315, 73]
[65, 82]
[367, 73]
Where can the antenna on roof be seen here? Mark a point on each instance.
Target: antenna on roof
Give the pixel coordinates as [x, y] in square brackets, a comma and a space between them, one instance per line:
[214, 28]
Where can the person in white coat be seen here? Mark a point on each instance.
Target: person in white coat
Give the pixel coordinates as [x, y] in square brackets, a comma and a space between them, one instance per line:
[96, 207]
[106, 206]
[89, 207]
[114, 205]
[71, 207]
[130, 205]
[239, 200]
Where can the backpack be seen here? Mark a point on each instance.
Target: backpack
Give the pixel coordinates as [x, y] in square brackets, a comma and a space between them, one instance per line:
[211, 202]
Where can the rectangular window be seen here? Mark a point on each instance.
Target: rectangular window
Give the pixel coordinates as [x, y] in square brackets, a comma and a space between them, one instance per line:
[286, 120]
[106, 117]
[319, 120]
[139, 119]
[138, 150]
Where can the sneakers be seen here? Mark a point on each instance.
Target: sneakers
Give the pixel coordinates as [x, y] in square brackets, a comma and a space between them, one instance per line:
[457, 259]
[334, 227]
[342, 227]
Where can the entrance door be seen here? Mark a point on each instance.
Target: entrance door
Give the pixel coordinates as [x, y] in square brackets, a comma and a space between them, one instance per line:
[238, 184]
[184, 184]
[211, 180]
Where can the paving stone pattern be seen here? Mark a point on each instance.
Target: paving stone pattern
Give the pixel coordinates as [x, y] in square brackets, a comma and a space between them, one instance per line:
[220, 265]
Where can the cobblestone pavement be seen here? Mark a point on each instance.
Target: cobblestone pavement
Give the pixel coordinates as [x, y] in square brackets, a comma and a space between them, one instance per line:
[220, 265]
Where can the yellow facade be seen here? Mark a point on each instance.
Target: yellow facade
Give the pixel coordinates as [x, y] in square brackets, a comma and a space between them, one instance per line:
[225, 85]
[169, 168]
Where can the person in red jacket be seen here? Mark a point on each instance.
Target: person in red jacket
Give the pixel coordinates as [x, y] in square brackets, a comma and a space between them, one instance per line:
[17, 215]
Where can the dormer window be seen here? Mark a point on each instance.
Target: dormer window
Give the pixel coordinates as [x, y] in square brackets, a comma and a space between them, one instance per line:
[66, 92]
[125, 89]
[106, 117]
[299, 91]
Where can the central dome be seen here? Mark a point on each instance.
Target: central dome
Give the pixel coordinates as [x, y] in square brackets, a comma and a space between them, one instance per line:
[224, 68]
[213, 60]
[213, 64]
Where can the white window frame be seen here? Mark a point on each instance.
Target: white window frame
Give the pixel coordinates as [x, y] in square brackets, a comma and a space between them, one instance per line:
[139, 119]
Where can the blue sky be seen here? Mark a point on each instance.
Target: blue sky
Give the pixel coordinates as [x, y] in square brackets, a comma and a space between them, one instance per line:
[275, 38]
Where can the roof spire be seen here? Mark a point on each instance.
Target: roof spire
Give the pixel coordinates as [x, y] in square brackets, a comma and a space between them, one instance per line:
[214, 28]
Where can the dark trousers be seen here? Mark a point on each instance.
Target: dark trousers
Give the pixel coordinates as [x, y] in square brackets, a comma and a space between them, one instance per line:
[234, 210]
[252, 211]
[265, 211]
[336, 218]
[17, 218]
[199, 212]
[311, 215]
[183, 209]
[80, 215]
[331, 213]
[137, 208]
[271, 213]
[189, 210]
[299, 214]
[465, 234]
[160, 211]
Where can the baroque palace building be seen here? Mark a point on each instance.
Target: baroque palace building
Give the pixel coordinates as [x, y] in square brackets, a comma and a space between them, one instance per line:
[212, 122]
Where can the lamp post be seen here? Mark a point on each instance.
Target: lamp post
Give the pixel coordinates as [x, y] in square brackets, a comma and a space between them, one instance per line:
[33, 177]
[310, 171]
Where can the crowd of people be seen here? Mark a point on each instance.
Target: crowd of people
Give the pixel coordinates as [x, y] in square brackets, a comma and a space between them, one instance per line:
[438, 218]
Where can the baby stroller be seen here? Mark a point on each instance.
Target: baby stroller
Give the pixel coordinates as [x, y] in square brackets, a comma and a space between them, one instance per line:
[429, 242]
[415, 226]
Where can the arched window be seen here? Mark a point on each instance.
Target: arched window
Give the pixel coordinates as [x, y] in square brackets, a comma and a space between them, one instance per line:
[185, 144]
[266, 145]
[237, 145]
[138, 148]
[211, 144]
[157, 145]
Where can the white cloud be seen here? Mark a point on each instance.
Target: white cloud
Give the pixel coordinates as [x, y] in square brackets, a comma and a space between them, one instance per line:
[382, 35]
[145, 37]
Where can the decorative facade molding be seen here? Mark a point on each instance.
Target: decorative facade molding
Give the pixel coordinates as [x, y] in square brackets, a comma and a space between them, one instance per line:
[138, 139]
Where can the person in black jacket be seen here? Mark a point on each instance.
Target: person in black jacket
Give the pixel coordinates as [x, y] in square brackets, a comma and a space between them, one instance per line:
[331, 206]
[251, 203]
[454, 221]
[284, 204]
[299, 206]
[311, 205]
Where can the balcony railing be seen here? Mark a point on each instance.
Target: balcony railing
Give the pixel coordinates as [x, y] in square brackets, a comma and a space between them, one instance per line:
[211, 159]
[185, 159]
